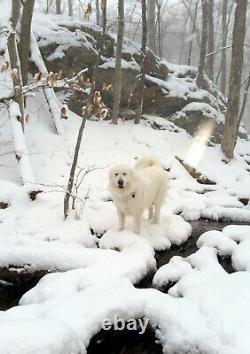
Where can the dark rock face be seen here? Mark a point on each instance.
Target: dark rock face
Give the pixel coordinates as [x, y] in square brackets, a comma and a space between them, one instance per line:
[168, 90]
[106, 75]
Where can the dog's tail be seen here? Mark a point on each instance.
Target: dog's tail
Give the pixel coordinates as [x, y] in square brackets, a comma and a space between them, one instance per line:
[146, 161]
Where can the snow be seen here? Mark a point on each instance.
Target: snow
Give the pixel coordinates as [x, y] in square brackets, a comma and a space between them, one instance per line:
[219, 300]
[47, 29]
[192, 317]
[233, 241]
[207, 109]
[93, 268]
[20, 145]
[110, 64]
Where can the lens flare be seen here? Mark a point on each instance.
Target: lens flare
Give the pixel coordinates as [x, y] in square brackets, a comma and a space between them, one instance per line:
[198, 146]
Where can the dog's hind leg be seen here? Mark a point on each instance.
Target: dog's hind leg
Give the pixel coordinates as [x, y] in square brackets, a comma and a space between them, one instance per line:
[156, 218]
[158, 203]
[121, 220]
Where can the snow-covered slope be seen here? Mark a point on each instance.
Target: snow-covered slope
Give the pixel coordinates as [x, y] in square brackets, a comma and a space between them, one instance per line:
[103, 146]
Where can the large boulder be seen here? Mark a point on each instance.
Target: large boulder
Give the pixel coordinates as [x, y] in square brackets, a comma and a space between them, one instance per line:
[105, 74]
[201, 120]
[170, 90]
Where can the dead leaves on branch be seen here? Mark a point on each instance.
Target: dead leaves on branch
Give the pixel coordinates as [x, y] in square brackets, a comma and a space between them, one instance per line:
[88, 11]
[96, 107]
[37, 76]
[64, 112]
[24, 119]
[107, 87]
[53, 78]
[80, 83]
[4, 67]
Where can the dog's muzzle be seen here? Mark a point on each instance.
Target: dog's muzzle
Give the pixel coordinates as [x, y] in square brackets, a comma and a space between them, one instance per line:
[120, 183]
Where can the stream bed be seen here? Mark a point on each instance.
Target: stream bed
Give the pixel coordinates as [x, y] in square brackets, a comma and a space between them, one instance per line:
[120, 342]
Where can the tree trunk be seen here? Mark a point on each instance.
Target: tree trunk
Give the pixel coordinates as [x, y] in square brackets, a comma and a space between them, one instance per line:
[243, 106]
[139, 107]
[151, 5]
[58, 7]
[73, 168]
[191, 16]
[183, 38]
[223, 79]
[87, 114]
[210, 43]
[104, 15]
[118, 63]
[24, 45]
[159, 19]
[70, 8]
[203, 45]
[97, 10]
[192, 34]
[229, 137]
[47, 7]
[14, 60]
[53, 104]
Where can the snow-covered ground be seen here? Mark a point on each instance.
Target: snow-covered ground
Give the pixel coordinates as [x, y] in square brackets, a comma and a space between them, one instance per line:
[204, 312]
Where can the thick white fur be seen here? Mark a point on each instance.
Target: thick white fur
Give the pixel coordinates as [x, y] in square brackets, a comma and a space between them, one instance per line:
[143, 187]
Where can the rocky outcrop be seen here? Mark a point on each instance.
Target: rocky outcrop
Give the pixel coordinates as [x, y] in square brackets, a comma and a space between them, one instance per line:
[170, 90]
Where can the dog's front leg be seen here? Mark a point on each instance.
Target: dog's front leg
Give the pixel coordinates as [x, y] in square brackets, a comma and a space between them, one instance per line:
[137, 223]
[121, 220]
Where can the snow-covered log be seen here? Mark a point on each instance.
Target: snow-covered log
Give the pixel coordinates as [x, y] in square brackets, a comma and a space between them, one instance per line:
[53, 103]
[21, 150]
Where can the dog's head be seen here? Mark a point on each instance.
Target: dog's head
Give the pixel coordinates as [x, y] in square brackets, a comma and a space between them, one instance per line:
[121, 176]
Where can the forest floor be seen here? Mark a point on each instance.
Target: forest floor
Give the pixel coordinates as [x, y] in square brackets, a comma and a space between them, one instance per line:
[178, 274]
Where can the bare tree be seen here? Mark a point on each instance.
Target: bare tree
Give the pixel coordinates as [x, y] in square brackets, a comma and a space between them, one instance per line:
[88, 112]
[47, 6]
[15, 61]
[138, 110]
[183, 39]
[159, 28]
[243, 106]
[223, 79]
[58, 7]
[192, 19]
[210, 42]
[24, 45]
[229, 137]
[104, 15]
[151, 7]
[70, 8]
[97, 10]
[16, 109]
[118, 63]
[194, 30]
[203, 46]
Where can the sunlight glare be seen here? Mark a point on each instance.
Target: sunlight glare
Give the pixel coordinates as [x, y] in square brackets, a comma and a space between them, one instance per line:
[199, 144]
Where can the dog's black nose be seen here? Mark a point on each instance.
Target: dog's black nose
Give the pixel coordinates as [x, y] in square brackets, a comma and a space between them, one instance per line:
[120, 182]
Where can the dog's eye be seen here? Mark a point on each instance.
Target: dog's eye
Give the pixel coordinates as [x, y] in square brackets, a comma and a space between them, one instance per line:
[116, 174]
[124, 174]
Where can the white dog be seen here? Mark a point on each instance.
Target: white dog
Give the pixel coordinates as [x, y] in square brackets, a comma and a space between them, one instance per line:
[136, 189]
